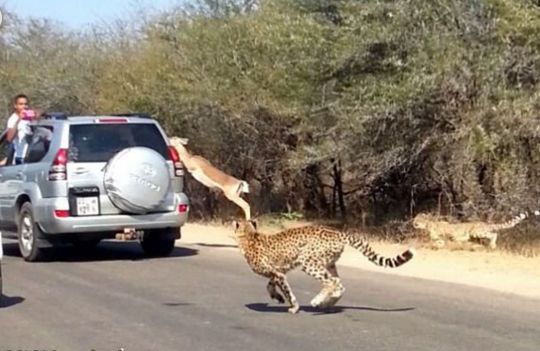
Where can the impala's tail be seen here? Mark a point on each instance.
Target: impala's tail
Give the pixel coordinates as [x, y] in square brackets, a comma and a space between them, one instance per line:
[243, 187]
[363, 246]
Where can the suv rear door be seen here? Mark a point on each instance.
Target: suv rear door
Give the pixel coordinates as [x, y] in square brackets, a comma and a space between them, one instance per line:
[13, 177]
[92, 145]
[11, 185]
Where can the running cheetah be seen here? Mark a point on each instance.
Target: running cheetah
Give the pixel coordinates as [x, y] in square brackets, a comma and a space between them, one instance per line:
[313, 248]
[463, 232]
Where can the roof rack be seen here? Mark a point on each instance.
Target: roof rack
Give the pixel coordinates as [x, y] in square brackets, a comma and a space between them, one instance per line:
[63, 115]
[133, 114]
[55, 115]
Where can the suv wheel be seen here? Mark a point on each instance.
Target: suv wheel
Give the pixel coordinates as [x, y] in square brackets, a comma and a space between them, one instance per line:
[28, 233]
[158, 243]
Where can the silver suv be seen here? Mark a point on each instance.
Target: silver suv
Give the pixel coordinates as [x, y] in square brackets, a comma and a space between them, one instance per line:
[1, 257]
[87, 178]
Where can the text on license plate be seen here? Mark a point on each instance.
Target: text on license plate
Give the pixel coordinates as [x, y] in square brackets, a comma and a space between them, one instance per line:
[87, 206]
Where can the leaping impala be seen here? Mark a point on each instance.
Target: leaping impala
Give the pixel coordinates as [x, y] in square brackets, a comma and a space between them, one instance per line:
[203, 171]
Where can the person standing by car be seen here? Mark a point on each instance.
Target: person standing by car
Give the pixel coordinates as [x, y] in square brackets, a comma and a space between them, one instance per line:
[18, 127]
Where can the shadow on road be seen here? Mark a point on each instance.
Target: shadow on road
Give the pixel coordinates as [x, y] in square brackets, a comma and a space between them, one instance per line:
[216, 245]
[176, 304]
[264, 307]
[8, 301]
[105, 251]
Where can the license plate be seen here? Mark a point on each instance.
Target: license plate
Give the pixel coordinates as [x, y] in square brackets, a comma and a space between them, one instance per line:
[87, 206]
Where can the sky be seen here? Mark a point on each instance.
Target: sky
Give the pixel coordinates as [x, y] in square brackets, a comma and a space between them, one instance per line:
[79, 14]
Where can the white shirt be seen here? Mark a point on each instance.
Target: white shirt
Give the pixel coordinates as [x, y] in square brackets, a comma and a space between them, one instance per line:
[23, 129]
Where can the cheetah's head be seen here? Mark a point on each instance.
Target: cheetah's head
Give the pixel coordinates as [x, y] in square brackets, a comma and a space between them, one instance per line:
[242, 228]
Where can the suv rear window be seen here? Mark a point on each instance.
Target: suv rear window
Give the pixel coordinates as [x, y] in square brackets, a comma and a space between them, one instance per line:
[100, 142]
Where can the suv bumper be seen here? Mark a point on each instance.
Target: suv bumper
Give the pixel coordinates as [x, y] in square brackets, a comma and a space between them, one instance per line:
[106, 223]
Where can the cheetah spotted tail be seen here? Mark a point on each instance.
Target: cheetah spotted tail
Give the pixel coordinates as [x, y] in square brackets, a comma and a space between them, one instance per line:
[514, 221]
[392, 262]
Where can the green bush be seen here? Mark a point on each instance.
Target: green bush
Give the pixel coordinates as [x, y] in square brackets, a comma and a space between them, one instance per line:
[345, 108]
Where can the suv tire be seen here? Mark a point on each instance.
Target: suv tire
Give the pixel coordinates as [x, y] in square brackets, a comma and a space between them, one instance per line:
[158, 243]
[28, 233]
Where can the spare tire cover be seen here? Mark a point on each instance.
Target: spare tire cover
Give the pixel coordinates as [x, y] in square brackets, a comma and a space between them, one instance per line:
[137, 180]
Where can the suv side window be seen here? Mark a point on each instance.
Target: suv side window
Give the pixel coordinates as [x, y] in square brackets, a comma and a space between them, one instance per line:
[38, 143]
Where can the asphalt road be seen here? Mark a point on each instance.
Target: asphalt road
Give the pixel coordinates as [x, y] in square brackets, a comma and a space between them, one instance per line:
[206, 298]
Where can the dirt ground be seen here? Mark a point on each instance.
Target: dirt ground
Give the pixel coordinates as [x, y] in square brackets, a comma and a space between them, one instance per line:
[492, 270]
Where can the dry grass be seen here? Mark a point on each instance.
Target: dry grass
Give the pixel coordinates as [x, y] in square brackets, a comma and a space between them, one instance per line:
[523, 240]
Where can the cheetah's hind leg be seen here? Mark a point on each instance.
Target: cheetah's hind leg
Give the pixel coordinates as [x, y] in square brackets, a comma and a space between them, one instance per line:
[329, 293]
[492, 240]
[337, 290]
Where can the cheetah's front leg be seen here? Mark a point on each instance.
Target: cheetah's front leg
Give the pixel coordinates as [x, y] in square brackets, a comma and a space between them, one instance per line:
[274, 294]
[281, 281]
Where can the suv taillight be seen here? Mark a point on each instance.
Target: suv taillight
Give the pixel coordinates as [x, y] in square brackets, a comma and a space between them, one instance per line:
[58, 170]
[175, 158]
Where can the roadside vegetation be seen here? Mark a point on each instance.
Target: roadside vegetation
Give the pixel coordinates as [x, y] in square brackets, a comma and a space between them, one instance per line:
[362, 111]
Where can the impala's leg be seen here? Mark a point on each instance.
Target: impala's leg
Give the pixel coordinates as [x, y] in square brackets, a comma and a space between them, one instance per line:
[240, 202]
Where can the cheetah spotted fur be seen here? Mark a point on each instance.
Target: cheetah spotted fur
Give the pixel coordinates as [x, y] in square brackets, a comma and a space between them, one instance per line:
[315, 249]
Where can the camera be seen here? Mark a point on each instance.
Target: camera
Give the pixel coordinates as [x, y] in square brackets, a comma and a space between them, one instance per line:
[28, 115]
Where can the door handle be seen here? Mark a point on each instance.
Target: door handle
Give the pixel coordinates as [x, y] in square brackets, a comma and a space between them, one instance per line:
[81, 170]
[20, 175]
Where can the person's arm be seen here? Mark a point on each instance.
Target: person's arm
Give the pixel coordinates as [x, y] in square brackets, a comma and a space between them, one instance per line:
[13, 122]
